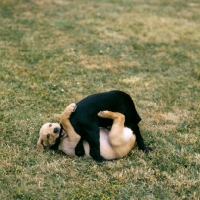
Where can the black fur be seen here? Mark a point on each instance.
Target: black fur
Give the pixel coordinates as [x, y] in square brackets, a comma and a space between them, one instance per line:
[86, 122]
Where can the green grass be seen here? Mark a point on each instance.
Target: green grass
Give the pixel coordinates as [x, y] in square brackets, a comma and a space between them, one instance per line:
[53, 53]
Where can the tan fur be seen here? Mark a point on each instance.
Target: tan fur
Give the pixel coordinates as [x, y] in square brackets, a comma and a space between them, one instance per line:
[46, 135]
[121, 139]
[68, 143]
[115, 143]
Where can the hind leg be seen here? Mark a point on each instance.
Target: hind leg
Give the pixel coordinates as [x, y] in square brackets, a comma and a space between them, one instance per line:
[122, 140]
[117, 129]
[116, 133]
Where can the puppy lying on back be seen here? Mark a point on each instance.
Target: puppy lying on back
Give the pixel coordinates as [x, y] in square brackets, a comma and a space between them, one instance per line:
[114, 143]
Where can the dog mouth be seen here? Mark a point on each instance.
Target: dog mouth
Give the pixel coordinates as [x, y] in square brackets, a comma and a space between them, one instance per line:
[62, 132]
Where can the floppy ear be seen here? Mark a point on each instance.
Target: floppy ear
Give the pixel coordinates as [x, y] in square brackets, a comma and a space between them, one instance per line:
[39, 144]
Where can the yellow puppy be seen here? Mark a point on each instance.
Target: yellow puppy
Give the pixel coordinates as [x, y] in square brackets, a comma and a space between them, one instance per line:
[49, 132]
[115, 143]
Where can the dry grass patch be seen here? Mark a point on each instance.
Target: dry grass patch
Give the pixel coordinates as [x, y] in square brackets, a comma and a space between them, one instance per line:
[105, 62]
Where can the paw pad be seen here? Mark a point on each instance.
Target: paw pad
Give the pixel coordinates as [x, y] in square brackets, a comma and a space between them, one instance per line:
[102, 113]
[72, 107]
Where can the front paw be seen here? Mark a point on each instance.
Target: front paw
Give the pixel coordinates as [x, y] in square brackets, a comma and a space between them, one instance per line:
[40, 147]
[70, 109]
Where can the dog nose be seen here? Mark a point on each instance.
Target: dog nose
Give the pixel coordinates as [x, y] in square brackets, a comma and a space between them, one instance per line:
[56, 130]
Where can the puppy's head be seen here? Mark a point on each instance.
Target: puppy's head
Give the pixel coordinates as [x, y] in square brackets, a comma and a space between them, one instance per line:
[49, 132]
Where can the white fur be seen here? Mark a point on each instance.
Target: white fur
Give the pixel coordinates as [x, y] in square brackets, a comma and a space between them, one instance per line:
[106, 150]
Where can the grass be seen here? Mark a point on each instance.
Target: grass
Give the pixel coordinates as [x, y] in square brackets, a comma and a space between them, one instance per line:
[56, 52]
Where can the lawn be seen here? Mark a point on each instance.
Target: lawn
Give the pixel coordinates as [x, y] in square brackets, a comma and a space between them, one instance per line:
[55, 52]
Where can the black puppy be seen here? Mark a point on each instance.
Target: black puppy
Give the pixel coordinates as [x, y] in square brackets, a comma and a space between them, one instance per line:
[86, 122]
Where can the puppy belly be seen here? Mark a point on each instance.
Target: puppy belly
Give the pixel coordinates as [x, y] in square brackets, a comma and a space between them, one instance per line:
[67, 147]
[87, 149]
[106, 149]
[127, 134]
[119, 147]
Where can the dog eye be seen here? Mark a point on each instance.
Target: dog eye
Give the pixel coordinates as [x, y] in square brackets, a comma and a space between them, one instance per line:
[48, 135]
[55, 130]
[50, 125]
